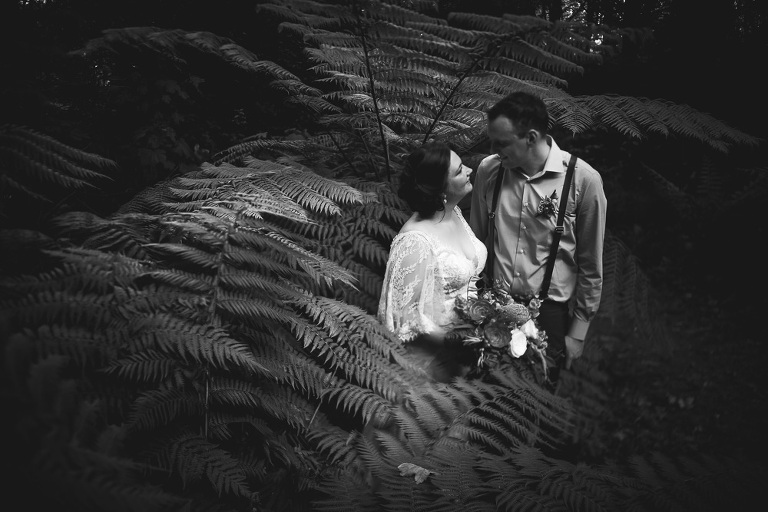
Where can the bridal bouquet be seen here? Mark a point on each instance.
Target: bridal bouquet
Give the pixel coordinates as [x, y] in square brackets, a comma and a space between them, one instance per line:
[498, 326]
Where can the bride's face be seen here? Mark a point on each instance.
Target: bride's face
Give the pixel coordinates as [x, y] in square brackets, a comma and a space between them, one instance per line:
[458, 184]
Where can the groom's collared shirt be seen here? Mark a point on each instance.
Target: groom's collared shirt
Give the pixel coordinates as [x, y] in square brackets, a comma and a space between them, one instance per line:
[523, 236]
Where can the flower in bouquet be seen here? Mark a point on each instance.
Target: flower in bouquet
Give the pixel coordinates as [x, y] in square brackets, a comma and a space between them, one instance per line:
[534, 303]
[497, 333]
[518, 344]
[530, 329]
[500, 325]
[515, 312]
[479, 310]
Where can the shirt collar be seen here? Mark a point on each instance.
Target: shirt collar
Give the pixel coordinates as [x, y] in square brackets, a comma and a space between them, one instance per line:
[554, 161]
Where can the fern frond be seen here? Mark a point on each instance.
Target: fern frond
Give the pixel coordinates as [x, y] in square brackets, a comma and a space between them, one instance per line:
[413, 39]
[245, 282]
[657, 116]
[278, 350]
[251, 203]
[336, 445]
[71, 309]
[124, 234]
[346, 493]
[562, 42]
[444, 31]
[499, 85]
[393, 12]
[503, 416]
[179, 46]
[76, 456]
[180, 279]
[160, 406]
[8, 183]
[313, 104]
[316, 193]
[363, 366]
[252, 310]
[431, 409]
[261, 263]
[148, 366]
[569, 113]
[44, 143]
[222, 426]
[41, 172]
[248, 61]
[82, 345]
[193, 342]
[285, 12]
[527, 53]
[357, 400]
[151, 201]
[341, 63]
[613, 116]
[635, 109]
[197, 257]
[387, 63]
[194, 459]
[285, 405]
[484, 23]
[53, 169]
[519, 70]
[292, 183]
[456, 476]
[376, 336]
[317, 10]
[317, 267]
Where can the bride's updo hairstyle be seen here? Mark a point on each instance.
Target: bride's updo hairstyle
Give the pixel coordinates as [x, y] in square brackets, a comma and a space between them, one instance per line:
[425, 177]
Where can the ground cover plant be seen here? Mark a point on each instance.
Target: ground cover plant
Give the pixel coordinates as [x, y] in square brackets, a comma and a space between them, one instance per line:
[211, 344]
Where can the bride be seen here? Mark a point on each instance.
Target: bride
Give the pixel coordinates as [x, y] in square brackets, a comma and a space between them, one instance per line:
[433, 259]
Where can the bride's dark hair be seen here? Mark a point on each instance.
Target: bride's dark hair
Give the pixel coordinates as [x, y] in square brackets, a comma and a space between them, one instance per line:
[424, 178]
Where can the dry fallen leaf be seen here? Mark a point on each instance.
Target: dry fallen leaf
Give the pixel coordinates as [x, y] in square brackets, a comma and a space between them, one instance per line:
[419, 473]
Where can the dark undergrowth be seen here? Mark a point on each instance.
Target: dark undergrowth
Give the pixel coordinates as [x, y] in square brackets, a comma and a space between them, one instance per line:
[701, 390]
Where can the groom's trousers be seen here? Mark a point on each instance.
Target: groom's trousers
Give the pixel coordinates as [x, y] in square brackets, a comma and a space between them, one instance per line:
[553, 318]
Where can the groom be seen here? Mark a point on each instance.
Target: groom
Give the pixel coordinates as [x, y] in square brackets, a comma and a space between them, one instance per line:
[532, 171]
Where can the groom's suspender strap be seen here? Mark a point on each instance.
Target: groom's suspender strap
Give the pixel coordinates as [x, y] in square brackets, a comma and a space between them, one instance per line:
[558, 230]
[488, 280]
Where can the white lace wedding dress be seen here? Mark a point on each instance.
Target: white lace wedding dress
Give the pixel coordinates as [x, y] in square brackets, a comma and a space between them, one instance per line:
[423, 279]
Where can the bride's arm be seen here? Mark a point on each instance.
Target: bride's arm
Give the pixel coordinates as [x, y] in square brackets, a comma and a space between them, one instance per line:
[409, 305]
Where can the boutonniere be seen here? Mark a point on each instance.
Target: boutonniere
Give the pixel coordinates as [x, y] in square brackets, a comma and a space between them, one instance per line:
[548, 205]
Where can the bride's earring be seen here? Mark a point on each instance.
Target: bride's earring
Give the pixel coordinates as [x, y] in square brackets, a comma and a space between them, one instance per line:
[445, 199]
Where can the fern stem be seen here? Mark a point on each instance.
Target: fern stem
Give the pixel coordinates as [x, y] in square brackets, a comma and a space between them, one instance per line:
[368, 150]
[212, 318]
[207, 402]
[317, 409]
[341, 152]
[369, 69]
[462, 76]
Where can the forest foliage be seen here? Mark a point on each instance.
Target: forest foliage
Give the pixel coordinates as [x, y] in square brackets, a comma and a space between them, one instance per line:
[210, 343]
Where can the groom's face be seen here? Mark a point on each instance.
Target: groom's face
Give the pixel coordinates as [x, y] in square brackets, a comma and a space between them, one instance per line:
[511, 147]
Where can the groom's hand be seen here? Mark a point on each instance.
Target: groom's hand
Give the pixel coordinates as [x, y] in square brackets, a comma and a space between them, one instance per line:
[573, 350]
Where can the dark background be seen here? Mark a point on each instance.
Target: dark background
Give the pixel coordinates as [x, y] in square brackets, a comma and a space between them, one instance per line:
[157, 122]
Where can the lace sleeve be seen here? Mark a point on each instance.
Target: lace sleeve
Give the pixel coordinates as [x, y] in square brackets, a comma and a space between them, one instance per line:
[409, 305]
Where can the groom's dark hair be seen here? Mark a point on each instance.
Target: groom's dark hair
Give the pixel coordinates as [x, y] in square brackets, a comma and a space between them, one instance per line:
[524, 109]
[424, 178]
